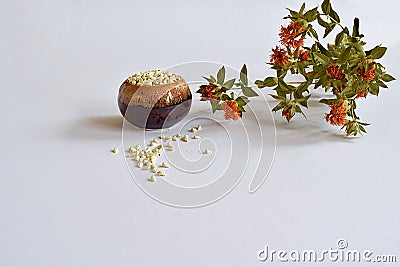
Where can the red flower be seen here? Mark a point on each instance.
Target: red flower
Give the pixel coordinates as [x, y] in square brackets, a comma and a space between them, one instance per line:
[337, 115]
[291, 35]
[303, 55]
[335, 73]
[231, 110]
[363, 93]
[279, 56]
[206, 93]
[287, 114]
[368, 75]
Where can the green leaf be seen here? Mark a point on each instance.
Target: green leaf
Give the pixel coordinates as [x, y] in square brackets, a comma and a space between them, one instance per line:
[281, 105]
[373, 88]
[344, 56]
[326, 6]
[303, 6]
[334, 15]
[303, 101]
[311, 15]
[277, 97]
[313, 32]
[381, 84]
[339, 38]
[225, 97]
[248, 91]
[228, 84]
[376, 52]
[268, 82]
[322, 22]
[221, 75]
[387, 77]
[329, 30]
[284, 87]
[356, 27]
[323, 49]
[293, 13]
[242, 100]
[215, 105]
[322, 58]
[243, 75]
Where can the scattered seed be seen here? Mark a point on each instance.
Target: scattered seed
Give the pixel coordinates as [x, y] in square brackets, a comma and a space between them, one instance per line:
[196, 137]
[198, 127]
[178, 135]
[152, 179]
[140, 164]
[185, 138]
[164, 165]
[174, 138]
[131, 149]
[193, 130]
[207, 151]
[155, 140]
[115, 150]
[161, 173]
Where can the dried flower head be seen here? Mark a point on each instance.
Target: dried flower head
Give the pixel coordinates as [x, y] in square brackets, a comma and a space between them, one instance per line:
[231, 109]
[292, 35]
[279, 56]
[337, 115]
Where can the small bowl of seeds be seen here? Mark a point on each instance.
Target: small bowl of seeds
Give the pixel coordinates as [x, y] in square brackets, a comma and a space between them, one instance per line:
[154, 99]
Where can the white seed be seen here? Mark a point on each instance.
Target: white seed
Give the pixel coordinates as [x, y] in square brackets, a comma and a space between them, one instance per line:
[196, 137]
[185, 138]
[207, 151]
[198, 127]
[164, 165]
[178, 135]
[174, 138]
[141, 159]
[161, 173]
[137, 157]
[141, 153]
[138, 147]
[131, 149]
[154, 170]
[193, 130]
[155, 140]
[152, 179]
[147, 167]
[115, 150]
[140, 164]
[171, 148]
[162, 136]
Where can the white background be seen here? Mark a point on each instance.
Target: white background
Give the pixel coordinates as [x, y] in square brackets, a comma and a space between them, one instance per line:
[65, 200]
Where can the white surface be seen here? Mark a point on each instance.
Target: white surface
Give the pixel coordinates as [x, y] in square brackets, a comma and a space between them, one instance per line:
[66, 201]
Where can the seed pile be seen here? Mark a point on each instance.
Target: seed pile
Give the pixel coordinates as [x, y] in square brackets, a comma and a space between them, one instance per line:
[154, 77]
[145, 158]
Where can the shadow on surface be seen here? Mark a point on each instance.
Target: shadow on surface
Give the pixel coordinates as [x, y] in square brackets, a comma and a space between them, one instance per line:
[99, 127]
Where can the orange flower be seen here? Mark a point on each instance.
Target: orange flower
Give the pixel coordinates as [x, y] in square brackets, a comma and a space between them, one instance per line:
[335, 73]
[362, 93]
[286, 114]
[291, 35]
[279, 56]
[207, 94]
[231, 110]
[368, 75]
[337, 115]
[303, 55]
